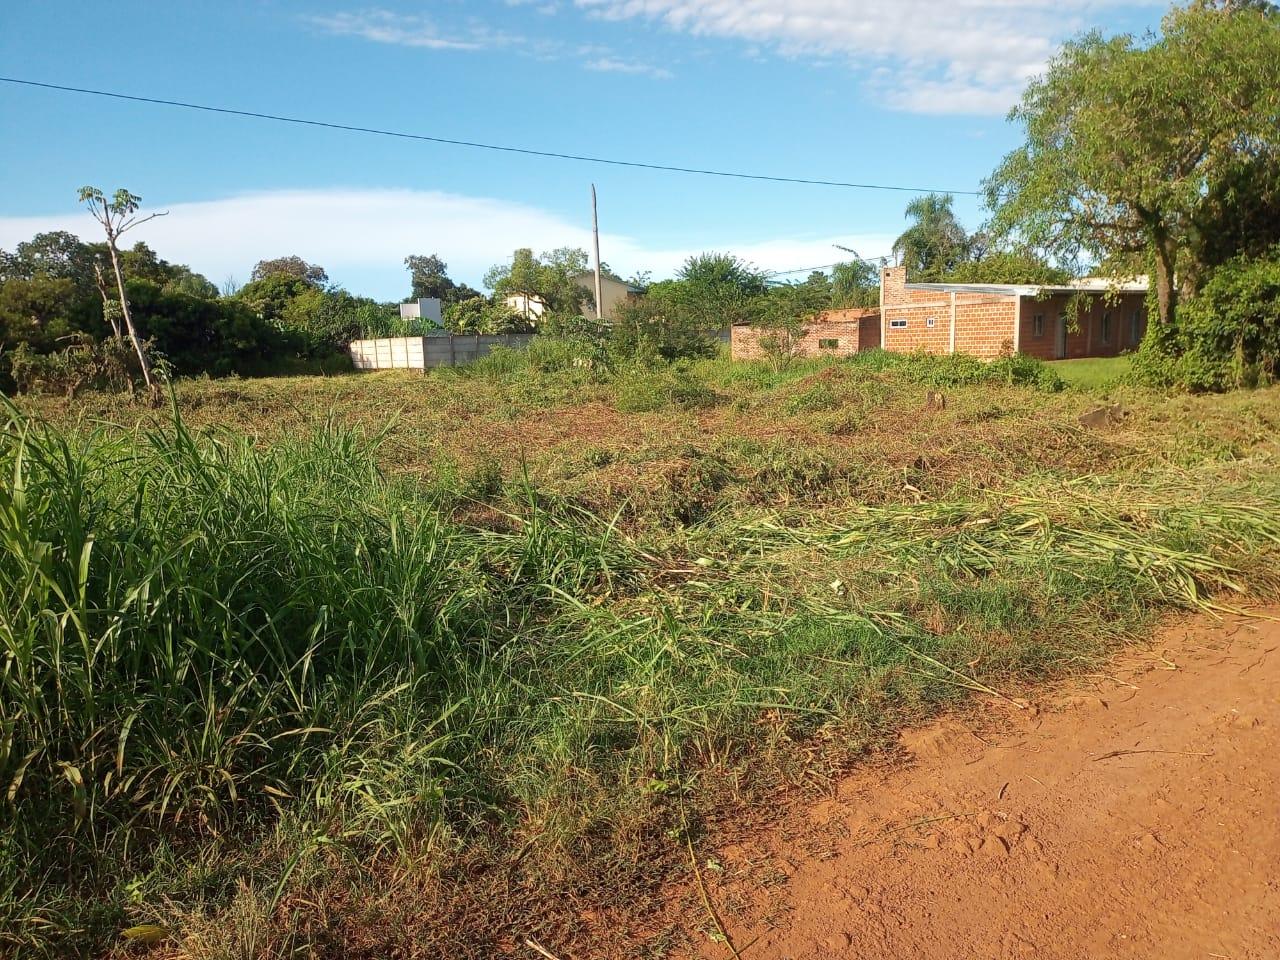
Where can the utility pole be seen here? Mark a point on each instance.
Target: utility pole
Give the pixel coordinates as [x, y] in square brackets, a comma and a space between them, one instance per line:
[595, 232]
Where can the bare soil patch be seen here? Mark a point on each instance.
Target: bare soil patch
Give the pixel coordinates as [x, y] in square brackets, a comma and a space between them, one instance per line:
[1132, 813]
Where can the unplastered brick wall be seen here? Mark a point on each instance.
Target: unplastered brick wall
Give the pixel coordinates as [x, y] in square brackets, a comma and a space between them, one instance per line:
[921, 319]
[1106, 327]
[925, 326]
[834, 333]
[984, 325]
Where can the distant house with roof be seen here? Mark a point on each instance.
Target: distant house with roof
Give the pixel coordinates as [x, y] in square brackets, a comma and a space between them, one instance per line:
[989, 320]
[612, 292]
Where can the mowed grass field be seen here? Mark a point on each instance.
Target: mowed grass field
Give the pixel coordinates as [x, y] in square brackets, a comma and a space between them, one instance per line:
[387, 664]
[1092, 373]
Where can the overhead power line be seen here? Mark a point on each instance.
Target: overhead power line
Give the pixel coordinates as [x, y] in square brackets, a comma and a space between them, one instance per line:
[351, 128]
[827, 266]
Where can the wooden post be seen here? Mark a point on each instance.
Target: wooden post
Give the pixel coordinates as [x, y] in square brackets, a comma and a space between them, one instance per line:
[595, 233]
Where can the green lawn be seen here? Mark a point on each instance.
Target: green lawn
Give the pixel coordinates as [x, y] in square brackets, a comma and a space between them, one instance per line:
[1092, 373]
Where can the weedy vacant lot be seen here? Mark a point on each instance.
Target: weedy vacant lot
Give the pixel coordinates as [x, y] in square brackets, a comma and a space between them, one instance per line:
[401, 665]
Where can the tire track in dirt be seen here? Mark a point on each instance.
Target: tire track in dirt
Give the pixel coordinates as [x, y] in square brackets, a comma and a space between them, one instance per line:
[1135, 814]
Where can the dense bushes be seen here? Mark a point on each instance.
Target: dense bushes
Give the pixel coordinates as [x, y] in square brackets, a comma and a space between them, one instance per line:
[110, 364]
[58, 300]
[663, 324]
[206, 336]
[478, 315]
[317, 320]
[1226, 336]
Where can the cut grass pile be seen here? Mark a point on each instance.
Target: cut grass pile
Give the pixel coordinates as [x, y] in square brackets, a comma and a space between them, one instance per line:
[351, 691]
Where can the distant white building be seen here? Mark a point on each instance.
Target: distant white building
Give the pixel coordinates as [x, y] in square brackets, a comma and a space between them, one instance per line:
[528, 305]
[612, 292]
[424, 308]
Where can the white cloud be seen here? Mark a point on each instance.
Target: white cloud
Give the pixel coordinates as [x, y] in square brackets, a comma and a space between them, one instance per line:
[547, 9]
[408, 30]
[383, 26]
[932, 56]
[361, 236]
[616, 65]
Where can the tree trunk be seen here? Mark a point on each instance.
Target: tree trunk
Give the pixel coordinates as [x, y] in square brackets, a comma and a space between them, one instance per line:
[128, 322]
[101, 281]
[1166, 287]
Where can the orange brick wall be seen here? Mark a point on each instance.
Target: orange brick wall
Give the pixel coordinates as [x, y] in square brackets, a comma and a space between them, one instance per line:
[1086, 339]
[984, 322]
[853, 330]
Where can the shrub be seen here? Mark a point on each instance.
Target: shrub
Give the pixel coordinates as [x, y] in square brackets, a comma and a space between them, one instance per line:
[641, 391]
[782, 317]
[478, 315]
[331, 319]
[484, 480]
[109, 365]
[499, 363]
[208, 336]
[384, 320]
[1226, 336]
[660, 325]
[819, 396]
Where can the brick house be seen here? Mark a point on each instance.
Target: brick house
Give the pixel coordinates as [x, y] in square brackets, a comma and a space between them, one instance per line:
[833, 333]
[989, 320]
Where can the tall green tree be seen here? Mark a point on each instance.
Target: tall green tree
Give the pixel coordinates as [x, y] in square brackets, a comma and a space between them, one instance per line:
[1132, 144]
[551, 278]
[57, 254]
[717, 290]
[935, 243]
[723, 273]
[429, 277]
[291, 266]
[855, 284]
[1009, 266]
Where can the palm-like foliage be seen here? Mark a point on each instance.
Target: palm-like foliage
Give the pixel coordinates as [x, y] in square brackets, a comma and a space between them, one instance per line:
[935, 243]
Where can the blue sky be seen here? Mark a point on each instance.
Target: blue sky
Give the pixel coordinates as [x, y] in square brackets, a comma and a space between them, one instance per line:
[905, 92]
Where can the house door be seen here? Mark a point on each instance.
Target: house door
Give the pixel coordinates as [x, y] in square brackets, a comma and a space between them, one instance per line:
[1060, 341]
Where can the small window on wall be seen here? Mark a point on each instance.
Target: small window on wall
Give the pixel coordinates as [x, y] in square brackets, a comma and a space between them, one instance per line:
[828, 344]
[1135, 328]
[898, 324]
[931, 322]
[1106, 327]
[1037, 325]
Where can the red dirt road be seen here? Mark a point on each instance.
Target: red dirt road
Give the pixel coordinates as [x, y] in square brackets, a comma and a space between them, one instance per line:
[1135, 814]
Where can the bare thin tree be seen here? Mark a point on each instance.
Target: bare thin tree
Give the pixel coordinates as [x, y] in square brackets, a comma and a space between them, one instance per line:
[109, 308]
[118, 215]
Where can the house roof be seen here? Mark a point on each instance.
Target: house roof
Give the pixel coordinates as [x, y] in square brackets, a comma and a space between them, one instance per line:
[1084, 285]
[589, 278]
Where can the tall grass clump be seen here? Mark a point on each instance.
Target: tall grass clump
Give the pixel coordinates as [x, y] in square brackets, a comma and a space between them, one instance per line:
[199, 635]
